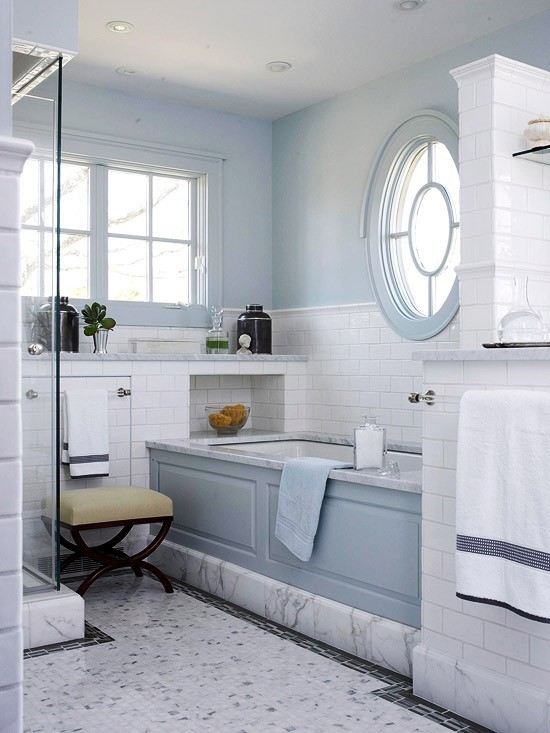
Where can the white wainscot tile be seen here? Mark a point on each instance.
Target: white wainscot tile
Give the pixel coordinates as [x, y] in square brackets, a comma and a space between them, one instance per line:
[11, 592]
[447, 372]
[11, 643]
[434, 677]
[243, 588]
[289, 607]
[11, 709]
[499, 702]
[10, 541]
[342, 627]
[392, 645]
[529, 373]
[441, 426]
[52, 621]
[202, 571]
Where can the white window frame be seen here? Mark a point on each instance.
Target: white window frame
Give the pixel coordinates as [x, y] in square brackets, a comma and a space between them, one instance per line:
[426, 126]
[206, 168]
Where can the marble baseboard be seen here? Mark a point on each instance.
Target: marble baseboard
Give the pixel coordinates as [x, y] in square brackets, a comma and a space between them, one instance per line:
[491, 699]
[52, 618]
[370, 637]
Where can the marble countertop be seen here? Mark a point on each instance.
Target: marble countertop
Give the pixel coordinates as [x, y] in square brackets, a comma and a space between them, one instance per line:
[88, 356]
[532, 353]
[202, 444]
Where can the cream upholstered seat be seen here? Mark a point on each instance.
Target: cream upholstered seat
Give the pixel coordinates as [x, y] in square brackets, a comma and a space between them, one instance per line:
[111, 506]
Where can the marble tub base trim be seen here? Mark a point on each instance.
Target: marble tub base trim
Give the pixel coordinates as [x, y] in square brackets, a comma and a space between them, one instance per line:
[491, 699]
[52, 618]
[357, 632]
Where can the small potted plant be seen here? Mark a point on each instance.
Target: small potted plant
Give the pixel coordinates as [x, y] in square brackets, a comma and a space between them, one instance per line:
[97, 325]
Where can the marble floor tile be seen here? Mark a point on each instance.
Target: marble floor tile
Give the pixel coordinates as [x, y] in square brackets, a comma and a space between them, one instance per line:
[180, 663]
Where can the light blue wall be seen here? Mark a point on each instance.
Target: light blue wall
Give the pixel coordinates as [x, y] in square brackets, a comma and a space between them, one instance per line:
[245, 142]
[321, 161]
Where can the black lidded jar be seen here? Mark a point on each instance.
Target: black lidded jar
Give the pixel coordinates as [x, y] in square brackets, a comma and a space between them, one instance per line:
[68, 316]
[68, 325]
[257, 325]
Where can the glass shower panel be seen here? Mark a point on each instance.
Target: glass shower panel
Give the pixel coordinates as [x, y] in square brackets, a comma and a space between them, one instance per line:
[35, 118]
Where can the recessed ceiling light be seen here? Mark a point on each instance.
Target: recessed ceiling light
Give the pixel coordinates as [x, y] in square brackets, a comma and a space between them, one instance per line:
[120, 26]
[409, 4]
[126, 71]
[278, 66]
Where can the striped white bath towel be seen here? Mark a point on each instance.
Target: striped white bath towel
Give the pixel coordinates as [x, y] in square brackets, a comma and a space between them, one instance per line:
[86, 432]
[503, 501]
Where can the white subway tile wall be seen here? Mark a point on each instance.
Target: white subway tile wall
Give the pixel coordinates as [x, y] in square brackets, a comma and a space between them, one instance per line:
[13, 154]
[505, 207]
[356, 365]
[491, 640]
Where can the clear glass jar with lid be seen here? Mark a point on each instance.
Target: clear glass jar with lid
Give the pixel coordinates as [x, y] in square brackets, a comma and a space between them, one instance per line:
[521, 324]
[217, 340]
[369, 444]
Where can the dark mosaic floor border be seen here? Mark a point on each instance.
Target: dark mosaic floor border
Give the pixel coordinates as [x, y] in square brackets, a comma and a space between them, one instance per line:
[92, 637]
[398, 689]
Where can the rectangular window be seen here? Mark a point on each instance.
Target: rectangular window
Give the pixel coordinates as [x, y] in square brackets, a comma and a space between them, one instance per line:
[152, 237]
[141, 236]
[37, 216]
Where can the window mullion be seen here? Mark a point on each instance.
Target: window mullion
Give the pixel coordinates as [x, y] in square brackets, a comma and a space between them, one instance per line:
[41, 224]
[99, 239]
[149, 215]
[198, 222]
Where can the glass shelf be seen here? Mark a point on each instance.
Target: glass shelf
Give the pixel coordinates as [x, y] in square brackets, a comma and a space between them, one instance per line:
[539, 155]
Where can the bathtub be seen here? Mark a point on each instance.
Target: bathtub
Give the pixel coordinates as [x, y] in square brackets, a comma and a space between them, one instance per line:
[284, 449]
[367, 549]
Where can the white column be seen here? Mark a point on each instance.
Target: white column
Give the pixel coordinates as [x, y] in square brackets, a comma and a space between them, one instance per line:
[5, 67]
[505, 204]
[13, 154]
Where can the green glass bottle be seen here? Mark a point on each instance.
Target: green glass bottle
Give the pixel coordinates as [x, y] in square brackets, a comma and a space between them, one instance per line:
[217, 340]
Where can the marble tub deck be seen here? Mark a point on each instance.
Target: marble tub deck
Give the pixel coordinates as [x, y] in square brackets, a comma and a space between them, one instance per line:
[185, 663]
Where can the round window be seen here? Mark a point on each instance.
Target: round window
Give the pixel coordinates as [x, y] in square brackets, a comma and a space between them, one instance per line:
[410, 222]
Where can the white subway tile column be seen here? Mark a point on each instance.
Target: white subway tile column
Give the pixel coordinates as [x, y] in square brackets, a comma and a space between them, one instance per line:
[505, 210]
[484, 662]
[13, 154]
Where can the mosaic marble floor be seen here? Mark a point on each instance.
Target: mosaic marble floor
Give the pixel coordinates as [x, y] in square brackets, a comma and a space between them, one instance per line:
[193, 664]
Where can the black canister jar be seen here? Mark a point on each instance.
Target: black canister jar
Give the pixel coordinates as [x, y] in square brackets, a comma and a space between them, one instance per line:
[257, 325]
[68, 326]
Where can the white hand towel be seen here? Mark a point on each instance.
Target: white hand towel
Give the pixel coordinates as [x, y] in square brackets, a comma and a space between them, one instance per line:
[503, 500]
[86, 433]
[301, 493]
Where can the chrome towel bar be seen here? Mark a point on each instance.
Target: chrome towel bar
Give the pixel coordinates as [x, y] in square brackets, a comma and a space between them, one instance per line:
[32, 394]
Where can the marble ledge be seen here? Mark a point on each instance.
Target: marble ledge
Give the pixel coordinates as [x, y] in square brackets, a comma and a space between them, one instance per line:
[533, 353]
[88, 356]
[200, 445]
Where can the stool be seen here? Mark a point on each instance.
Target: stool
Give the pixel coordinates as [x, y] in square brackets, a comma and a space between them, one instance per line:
[113, 506]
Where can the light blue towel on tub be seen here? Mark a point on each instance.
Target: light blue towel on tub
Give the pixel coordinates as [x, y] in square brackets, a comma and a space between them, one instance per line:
[301, 493]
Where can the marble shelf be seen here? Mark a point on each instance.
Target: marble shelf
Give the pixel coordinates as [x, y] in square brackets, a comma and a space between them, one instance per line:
[88, 356]
[536, 353]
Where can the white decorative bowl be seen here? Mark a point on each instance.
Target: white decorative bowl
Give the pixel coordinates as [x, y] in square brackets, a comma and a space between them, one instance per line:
[538, 131]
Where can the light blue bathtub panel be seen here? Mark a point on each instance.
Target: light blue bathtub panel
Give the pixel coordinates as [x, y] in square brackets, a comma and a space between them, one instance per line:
[211, 506]
[377, 547]
[366, 555]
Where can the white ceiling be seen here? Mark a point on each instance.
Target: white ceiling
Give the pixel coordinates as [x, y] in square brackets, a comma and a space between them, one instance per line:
[212, 53]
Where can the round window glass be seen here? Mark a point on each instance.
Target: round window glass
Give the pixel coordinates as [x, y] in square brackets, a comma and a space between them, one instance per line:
[410, 222]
